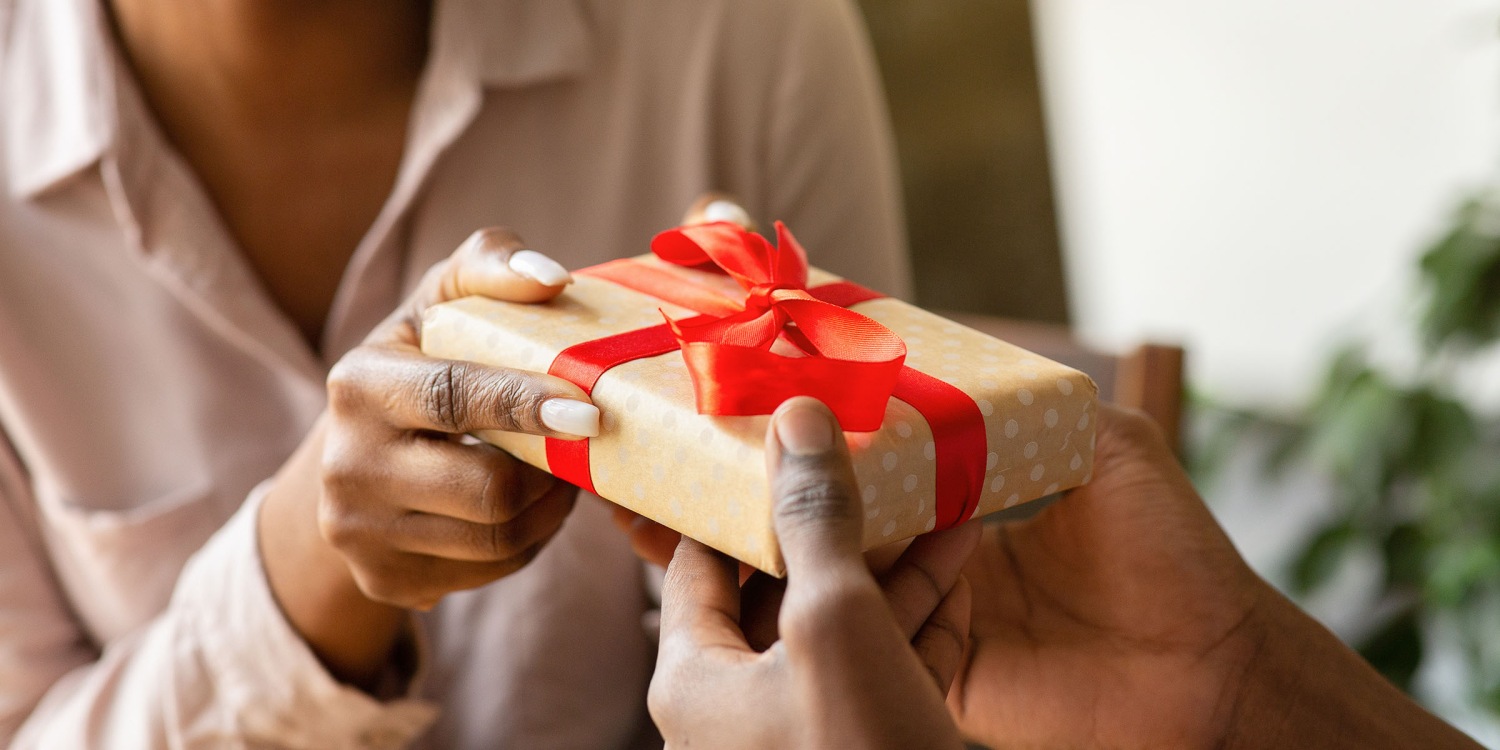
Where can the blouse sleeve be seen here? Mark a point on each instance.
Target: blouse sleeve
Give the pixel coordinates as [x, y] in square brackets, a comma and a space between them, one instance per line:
[220, 667]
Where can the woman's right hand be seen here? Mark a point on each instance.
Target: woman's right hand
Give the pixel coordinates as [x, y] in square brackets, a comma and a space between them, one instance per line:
[386, 507]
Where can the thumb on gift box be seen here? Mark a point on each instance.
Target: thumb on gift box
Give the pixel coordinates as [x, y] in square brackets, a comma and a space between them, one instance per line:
[817, 513]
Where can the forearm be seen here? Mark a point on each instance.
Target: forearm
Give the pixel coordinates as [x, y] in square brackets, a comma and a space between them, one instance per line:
[352, 635]
[1305, 688]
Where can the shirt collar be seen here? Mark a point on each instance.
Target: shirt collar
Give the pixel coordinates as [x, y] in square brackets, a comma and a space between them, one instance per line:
[58, 114]
[61, 115]
[516, 42]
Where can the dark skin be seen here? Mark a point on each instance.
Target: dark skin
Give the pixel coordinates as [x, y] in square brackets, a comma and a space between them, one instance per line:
[1085, 631]
[1120, 617]
[292, 114]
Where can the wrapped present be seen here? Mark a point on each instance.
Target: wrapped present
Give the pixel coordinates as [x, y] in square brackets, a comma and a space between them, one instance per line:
[687, 350]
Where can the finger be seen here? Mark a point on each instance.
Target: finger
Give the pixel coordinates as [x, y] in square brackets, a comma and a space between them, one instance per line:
[941, 641]
[652, 541]
[453, 539]
[882, 558]
[1129, 433]
[817, 513]
[413, 581]
[408, 391]
[495, 262]
[491, 263]
[623, 517]
[649, 540]
[700, 602]
[474, 483]
[717, 206]
[924, 575]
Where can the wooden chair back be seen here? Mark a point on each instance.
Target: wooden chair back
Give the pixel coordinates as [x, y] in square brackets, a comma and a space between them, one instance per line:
[1148, 377]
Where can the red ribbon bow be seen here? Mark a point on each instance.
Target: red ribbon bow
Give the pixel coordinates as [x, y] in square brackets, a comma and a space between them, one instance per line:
[850, 362]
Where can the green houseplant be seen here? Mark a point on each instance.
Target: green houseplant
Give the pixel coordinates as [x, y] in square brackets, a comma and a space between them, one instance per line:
[1414, 466]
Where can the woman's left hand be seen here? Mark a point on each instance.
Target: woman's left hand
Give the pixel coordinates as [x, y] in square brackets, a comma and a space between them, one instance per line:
[836, 658]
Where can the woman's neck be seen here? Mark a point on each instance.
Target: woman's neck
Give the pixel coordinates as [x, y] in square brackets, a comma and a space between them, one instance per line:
[292, 113]
[269, 59]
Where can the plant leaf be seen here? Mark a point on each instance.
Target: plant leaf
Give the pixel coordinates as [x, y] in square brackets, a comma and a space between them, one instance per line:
[1321, 557]
[1396, 648]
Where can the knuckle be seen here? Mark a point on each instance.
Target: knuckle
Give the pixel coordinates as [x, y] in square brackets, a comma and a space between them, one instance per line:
[337, 473]
[460, 396]
[677, 680]
[494, 499]
[344, 466]
[346, 382]
[433, 276]
[943, 630]
[441, 398]
[661, 696]
[925, 580]
[810, 497]
[503, 496]
[488, 239]
[519, 406]
[1133, 420]
[337, 523]
[1131, 426]
[501, 541]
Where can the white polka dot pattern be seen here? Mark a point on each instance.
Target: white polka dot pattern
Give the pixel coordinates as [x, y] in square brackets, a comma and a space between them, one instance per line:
[659, 457]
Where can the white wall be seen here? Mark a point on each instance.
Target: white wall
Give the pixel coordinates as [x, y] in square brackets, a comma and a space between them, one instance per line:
[1255, 179]
[1249, 176]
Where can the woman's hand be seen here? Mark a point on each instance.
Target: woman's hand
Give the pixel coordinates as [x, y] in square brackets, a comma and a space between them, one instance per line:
[386, 506]
[836, 659]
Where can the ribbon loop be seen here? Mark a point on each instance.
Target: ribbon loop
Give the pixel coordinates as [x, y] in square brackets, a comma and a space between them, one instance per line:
[851, 362]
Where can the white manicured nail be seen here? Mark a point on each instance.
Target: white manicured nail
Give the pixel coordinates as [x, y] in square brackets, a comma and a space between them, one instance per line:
[726, 211]
[539, 268]
[571, 417]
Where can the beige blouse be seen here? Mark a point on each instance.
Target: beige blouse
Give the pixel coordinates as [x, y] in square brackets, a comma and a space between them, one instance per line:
[148, 385]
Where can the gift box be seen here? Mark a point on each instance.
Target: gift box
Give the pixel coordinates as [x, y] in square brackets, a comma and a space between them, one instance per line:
[686, 351]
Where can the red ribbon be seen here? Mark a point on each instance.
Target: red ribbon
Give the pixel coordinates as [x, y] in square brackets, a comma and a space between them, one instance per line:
[853, 363]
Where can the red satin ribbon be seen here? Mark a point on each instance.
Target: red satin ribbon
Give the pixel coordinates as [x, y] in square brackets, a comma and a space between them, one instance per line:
[854, 363]
[583, 364]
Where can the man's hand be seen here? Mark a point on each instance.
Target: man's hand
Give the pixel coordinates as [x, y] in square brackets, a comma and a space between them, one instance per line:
[1123, 617]
[1118, 617]
[837, 659]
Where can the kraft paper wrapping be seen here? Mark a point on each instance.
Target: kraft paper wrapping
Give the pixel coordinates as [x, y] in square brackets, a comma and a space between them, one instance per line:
[705, 476]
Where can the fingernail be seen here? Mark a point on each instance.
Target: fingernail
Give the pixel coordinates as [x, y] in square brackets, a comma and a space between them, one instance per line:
[726, 211]
[804, 430]
[571, 417]
[539, 268]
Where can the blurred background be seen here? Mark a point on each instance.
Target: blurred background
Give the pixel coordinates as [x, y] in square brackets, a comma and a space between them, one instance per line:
[1301, 194]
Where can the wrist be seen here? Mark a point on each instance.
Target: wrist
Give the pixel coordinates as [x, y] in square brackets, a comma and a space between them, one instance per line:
[353, 636]
[1304, 688]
